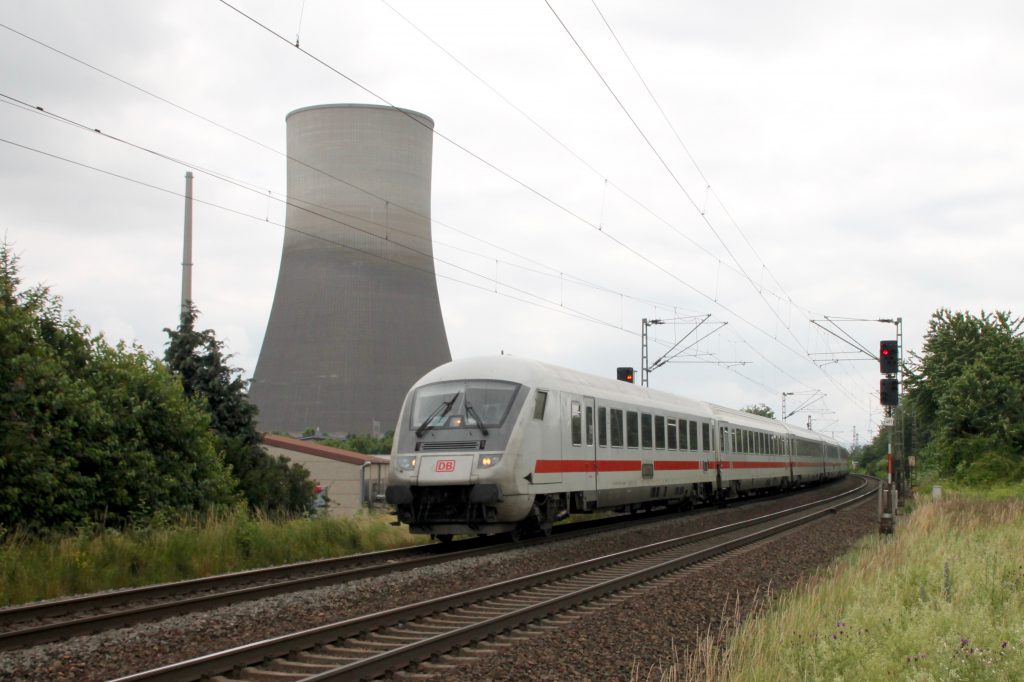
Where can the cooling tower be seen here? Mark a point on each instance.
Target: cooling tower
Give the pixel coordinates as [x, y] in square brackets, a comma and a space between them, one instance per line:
[356, 318]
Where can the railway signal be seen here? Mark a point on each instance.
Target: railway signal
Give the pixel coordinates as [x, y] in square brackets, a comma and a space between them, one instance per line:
[888, 357]
[889, 391]
[624, 374]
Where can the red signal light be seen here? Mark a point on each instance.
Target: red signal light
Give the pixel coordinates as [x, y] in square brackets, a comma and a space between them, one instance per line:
[888, 356]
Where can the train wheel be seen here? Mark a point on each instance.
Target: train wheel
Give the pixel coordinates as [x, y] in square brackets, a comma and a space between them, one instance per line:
[516, 533]
[444, 538]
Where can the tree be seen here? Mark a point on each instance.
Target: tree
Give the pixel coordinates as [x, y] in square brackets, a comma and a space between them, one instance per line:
[91, 433]
[760, 409]
[198, 358]
[966, 393]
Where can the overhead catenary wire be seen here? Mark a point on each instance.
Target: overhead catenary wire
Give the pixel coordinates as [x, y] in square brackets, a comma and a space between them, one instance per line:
[552, 275]
[606, 233]
[306, 206]
[554, 138]
[541, 302]
[552, 306]
[552, 271]
[372, 93]
[676, 180]
[759, 287]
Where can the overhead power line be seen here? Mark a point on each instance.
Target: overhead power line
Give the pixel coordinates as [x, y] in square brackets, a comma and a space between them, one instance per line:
[622, 244]
[552, 270]
[689, 197]
[551, 305]
[521, 183]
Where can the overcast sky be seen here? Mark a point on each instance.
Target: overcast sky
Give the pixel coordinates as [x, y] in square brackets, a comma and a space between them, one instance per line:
[851, 160]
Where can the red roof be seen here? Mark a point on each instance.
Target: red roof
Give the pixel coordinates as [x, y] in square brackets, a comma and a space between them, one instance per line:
[317, 450]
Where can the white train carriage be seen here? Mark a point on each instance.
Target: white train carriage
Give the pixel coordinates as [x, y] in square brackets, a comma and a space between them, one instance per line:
[488, 445]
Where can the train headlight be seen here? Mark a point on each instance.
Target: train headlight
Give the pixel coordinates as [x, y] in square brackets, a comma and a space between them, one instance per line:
[487, 461]
[406, 462]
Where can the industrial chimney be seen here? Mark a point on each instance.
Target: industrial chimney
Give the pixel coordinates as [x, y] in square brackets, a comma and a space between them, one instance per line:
[356, 318]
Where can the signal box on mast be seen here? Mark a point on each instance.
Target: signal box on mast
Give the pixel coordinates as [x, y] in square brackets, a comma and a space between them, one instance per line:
[889, 391]
[888, 357]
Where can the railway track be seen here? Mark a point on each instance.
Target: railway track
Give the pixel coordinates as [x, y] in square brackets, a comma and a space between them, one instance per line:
[39, 623]
[382, 643]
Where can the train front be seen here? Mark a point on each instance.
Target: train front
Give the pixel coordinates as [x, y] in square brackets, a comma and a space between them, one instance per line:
[453, 459]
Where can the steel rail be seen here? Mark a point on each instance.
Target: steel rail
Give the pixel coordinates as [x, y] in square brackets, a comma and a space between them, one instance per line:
[84, 614]
[232, 661]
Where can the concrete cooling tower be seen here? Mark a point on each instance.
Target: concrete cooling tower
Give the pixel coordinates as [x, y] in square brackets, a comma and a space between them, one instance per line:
[356, 318]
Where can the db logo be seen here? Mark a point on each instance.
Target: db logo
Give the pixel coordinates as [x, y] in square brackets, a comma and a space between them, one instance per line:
[445, 466]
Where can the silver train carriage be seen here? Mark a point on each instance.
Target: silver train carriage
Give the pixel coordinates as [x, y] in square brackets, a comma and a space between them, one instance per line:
[496, 444]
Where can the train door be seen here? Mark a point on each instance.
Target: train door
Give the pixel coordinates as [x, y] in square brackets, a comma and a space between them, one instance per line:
[722, 452]
[579, 451]
[590, 446]
[787, 448]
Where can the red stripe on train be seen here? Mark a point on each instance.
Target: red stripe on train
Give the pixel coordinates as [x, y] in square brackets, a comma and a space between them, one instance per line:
[589, 466]
[584, 466]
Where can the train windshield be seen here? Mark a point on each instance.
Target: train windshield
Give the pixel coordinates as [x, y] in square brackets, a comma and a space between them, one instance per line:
[462, 404]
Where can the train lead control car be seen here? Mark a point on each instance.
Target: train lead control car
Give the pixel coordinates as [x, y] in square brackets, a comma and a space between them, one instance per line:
[502, 444]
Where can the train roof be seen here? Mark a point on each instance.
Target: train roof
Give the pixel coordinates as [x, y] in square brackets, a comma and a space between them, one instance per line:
[536, 374]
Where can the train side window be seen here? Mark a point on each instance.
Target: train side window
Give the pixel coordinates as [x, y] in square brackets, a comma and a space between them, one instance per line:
[633, 429]
[616, 428]
[646, 431]
[693, 436]
[673, 435]
[706, 434]
[539, 403]
[590, 425]
[659, 432]
[722, 442]
[575, 423]
[602, 426]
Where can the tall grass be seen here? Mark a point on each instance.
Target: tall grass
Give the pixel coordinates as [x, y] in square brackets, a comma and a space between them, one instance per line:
[32, 568]
[943, 599]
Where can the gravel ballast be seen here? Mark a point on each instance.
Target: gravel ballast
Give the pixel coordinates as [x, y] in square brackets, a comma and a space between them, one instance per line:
[603, 645]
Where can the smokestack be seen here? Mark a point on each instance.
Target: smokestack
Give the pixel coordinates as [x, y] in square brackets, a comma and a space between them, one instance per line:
[186, 254]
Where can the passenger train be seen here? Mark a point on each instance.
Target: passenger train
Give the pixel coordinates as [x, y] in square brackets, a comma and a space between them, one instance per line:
[502, 444]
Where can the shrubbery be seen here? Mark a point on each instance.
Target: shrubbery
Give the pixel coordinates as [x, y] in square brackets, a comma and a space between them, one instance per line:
[99, 435]
[92, 433]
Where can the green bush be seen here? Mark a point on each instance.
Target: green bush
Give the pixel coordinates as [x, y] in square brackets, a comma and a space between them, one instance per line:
[92, 434]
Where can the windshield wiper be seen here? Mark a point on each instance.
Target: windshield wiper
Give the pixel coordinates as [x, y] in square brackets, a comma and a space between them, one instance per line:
[442, 409]
[479, 422]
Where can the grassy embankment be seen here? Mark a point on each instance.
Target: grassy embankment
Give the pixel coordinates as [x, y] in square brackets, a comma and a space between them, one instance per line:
[35, 569]
[943, 599]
